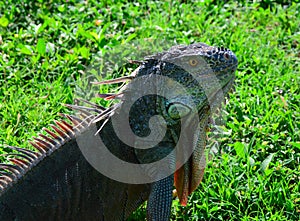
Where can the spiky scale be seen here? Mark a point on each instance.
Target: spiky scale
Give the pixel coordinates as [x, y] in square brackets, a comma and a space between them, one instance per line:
[27, 157]
[12, 168]
[97, 108]
[114, 81]
[27, 152]
[41, 149]
[3, 184]
[68, 126]
[60, 132]
[74, 121]
[7, 176]
[54, 135]
[51, 141]
[47, 144]
[21, 163]
[65, 128]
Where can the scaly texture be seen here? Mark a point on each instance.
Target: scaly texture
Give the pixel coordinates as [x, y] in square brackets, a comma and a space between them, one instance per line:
[58, 183]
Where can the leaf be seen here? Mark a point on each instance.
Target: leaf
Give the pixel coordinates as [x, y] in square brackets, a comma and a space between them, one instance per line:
[41, 46]
[61, 8]
[240, 149]
[213, 209]
[265, 164]
[84, 52]
[4, 21]
[37, 28]
[129, 38]
[295, 144]
[95, 35]
[25, 49]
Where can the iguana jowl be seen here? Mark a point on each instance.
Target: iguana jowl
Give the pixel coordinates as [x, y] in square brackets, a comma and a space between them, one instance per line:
[57, 182]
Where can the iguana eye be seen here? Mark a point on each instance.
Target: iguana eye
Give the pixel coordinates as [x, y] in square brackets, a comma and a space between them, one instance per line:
[193, 62]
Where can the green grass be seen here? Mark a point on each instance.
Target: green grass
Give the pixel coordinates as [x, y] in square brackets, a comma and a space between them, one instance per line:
[46, 47]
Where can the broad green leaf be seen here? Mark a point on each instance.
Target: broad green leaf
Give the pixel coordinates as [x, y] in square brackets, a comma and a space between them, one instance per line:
[4, 21]
[61, 8]
[25, 49]
[129, 38]
[240, 149]
[84, 52]
[95, 35]
[41, 46]
[295, 144]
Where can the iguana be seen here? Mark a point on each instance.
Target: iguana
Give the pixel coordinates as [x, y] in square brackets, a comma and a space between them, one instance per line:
[60, 180]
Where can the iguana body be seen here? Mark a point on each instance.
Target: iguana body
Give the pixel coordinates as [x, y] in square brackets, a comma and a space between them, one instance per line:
[58, 183]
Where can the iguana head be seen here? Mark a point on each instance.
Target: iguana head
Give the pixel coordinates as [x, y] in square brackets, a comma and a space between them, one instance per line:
[193, 79]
